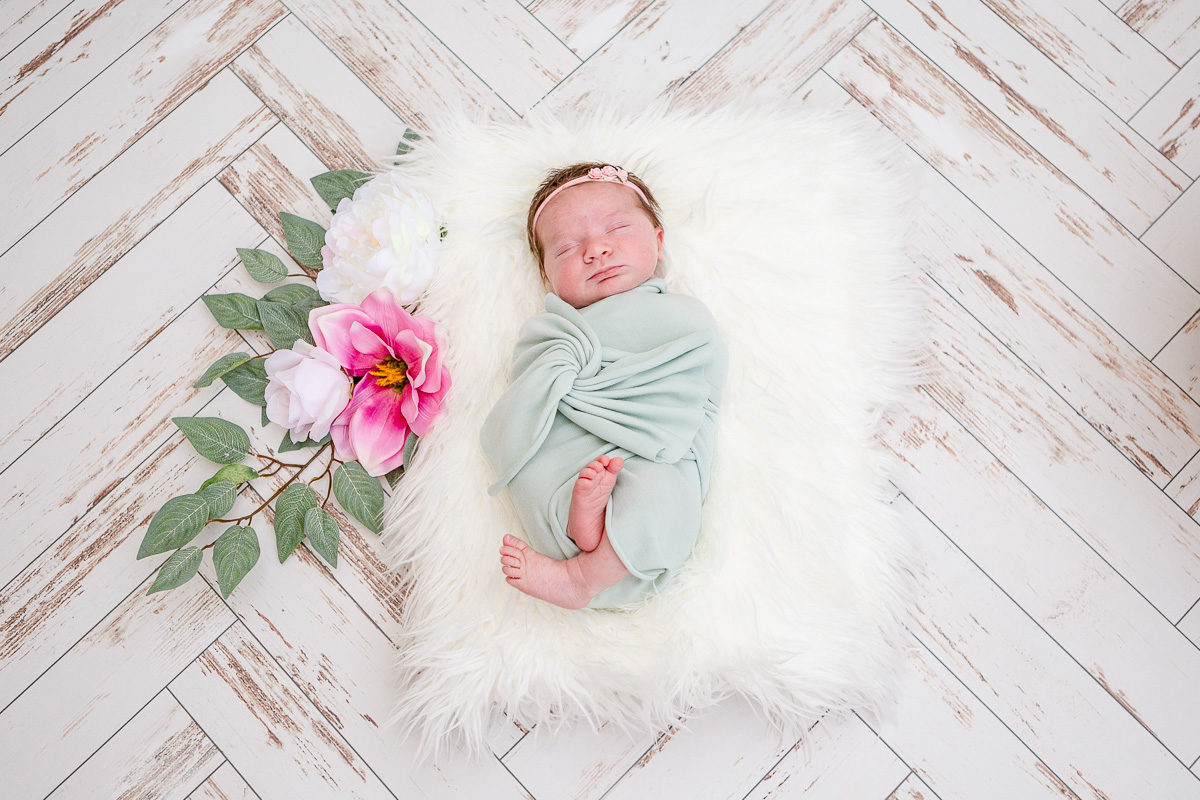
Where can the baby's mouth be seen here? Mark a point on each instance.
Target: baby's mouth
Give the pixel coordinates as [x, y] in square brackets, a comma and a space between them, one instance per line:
[604, 273]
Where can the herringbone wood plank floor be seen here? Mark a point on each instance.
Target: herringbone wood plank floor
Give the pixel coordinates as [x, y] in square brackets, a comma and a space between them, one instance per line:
[1050, 467]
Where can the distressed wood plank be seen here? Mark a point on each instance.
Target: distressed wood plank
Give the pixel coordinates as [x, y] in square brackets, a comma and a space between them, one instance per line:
[1181, 357]
[398, 58]
[208, 227]
[1060, 226]
[1185, 488]
[1080, 136]
[1131, 650]
[1093, 46]
[160, 753]
[88, 571]
[102, 681]
[270, 731]
[1190, 625]
[123, 104]
[1175, 238]
[656, 53]
[776, 53]
[66, 53]
[502, 43]
[586, 25]
[938, 720]
[224, 784]
[319, 99]
[1065, 462]
[89, 232]
[576, 762]
[846, 760]
[1084, 735]
[1173, 26]
[1171, 120]
[913, 788]
[306, 621]
[723, 753]
[23, 17]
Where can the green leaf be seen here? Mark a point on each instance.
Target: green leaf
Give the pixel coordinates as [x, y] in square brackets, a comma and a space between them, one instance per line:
[284, 324]
[322, 530]
[177, 570]
[220, 367]
[248, 381]
[394, 476]
[290, 508]
[305, 239]
[234, 310]
[410, 449]
[333, 186]
[290, 293]
[175, 524]
[214, 438]
[308, 304]
[265, 420]
[287, 445]
[220, 497]
[409, 136]
[234, 553]
[263, 267]
[234, 473]
[360, 494]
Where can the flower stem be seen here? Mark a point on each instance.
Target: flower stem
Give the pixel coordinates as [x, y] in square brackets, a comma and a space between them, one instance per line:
[278, 491]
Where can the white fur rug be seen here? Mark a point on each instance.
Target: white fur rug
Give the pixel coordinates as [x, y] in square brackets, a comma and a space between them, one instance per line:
[789, 225]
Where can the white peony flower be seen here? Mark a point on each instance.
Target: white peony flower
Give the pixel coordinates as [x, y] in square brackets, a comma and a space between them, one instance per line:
[387, 235]
[307, 390]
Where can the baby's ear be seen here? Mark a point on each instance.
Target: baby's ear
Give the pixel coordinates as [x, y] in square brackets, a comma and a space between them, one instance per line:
[659, 231]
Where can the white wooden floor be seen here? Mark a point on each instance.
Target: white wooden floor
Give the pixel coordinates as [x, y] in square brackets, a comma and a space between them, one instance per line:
[1050, 468]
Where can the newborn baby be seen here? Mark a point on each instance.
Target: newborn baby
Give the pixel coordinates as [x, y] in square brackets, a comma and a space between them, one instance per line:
[618, 377]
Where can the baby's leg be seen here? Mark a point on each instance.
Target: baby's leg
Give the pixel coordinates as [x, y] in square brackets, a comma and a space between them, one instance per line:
[571, 583]
[589, 498]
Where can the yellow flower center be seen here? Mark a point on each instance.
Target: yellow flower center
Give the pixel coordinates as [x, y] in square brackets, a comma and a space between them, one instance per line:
[391, 373]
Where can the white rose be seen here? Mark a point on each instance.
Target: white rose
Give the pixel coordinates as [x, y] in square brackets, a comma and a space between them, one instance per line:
[307, 390]
[387, 235]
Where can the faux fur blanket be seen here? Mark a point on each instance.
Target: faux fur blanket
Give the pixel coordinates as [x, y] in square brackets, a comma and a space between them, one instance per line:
[795, 593]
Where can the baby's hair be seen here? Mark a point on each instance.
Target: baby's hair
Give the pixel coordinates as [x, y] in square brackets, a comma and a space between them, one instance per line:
[556, 178]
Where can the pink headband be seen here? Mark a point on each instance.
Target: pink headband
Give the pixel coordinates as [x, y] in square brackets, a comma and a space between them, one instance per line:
[609, 173]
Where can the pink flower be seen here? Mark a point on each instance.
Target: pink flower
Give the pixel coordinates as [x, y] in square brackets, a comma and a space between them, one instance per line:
[403, 380]
[594, 173]
[307, 390]
[609, 171]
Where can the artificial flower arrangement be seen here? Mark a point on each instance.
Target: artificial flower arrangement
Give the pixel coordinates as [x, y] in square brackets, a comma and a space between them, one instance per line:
[351, 373]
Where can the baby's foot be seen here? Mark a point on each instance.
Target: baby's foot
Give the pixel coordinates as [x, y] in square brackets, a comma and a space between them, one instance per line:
[541, 576]
[585, 522]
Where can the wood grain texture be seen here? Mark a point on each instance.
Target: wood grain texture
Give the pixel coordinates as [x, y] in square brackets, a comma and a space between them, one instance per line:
[1185, 487]
[655, 54]
[224, 784]
[937, 719]
[502, 43]
[576, 763]
[1171, 120]
[65, 54]
[1173, 26]
[913, 788]
[1093, 46]
[1175, 237]
[585, 25]
[1190, 627]
[1010, 181]
[777, 52]
[23, 17]
[844, 759]
[1091, 145]
[1180, 359]
[318, 98]
[88, 233]
[1128, 648]
[398, 58]
[102, 682]
[1089, 740]
[123, 104]
[1064, 461]
[272, 733]
[160, 754]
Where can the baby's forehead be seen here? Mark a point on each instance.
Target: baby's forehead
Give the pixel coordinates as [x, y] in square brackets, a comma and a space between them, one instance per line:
[591, 201]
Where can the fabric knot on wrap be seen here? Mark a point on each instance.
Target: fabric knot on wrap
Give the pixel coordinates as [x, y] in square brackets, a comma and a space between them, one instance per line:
[650, 403]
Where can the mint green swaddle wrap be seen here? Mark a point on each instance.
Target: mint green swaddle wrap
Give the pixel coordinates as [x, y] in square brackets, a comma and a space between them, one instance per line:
[636, 375]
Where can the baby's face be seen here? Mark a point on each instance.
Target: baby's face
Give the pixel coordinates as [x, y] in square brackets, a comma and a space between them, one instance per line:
[598, 241]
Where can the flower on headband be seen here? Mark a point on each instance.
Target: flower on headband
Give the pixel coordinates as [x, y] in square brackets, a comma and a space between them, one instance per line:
[609, 172]
[594, 173]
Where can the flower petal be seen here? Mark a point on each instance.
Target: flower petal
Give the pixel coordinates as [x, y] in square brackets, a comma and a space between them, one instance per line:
[377, 430]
